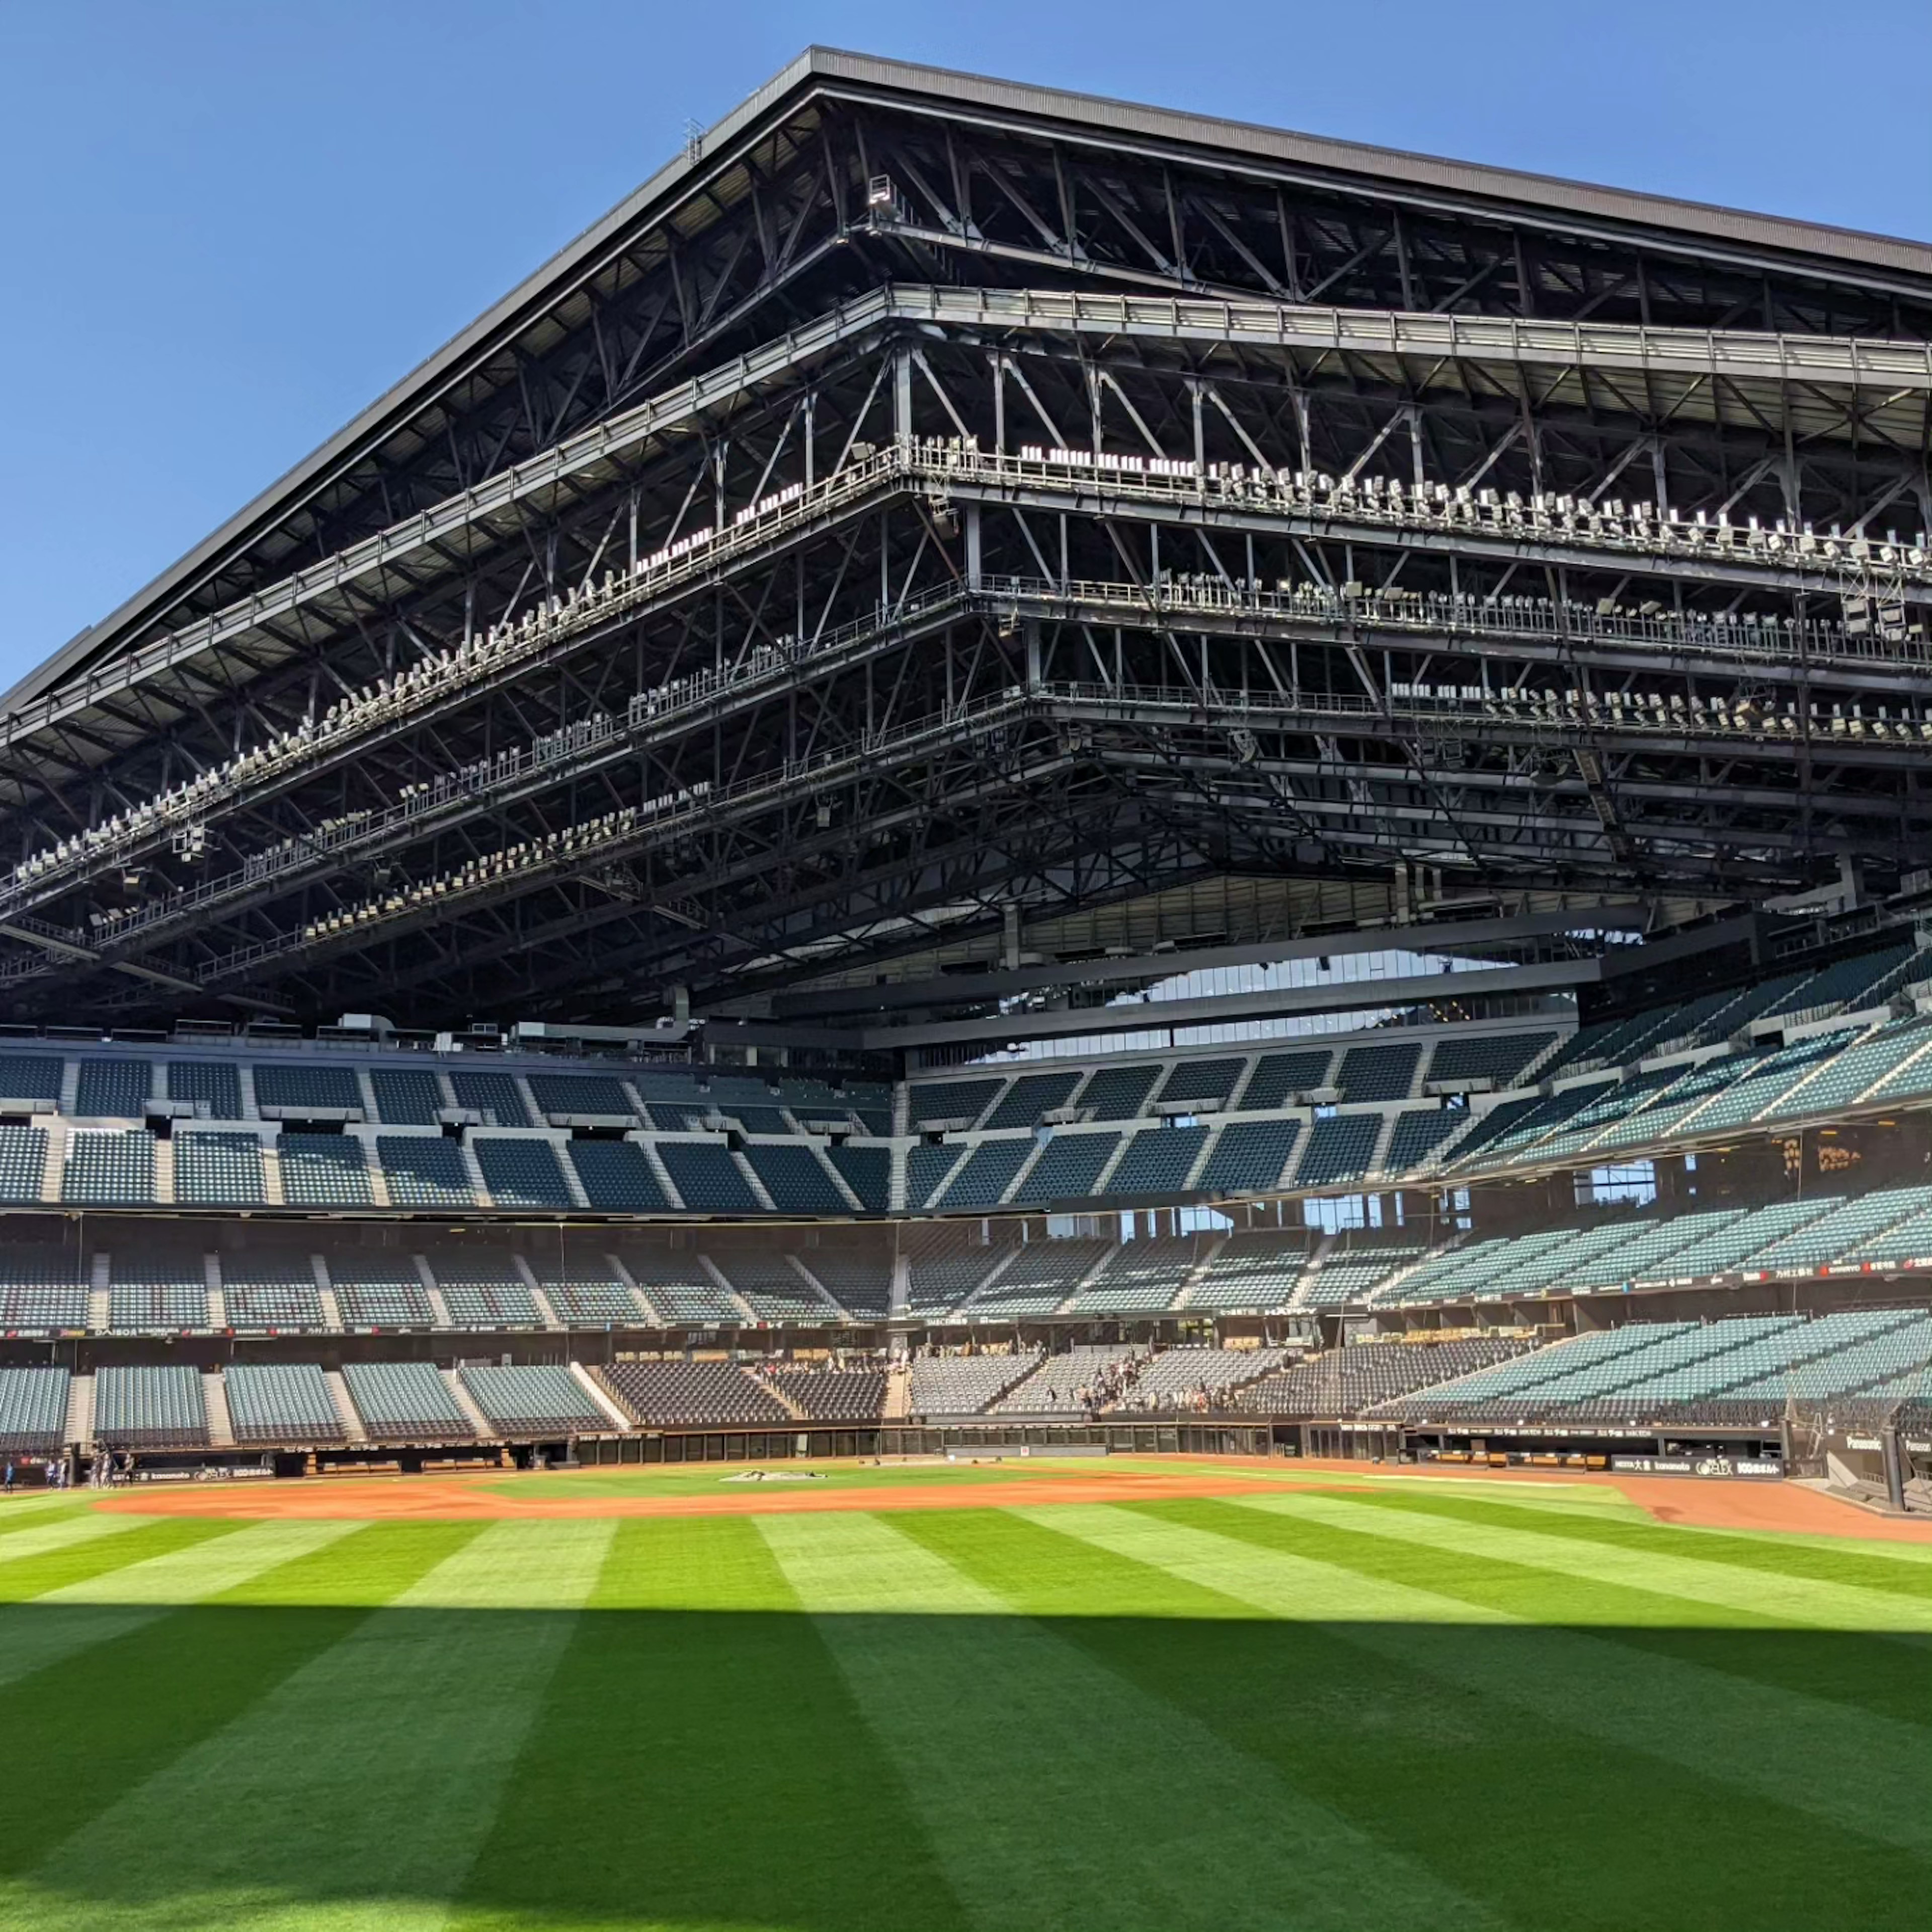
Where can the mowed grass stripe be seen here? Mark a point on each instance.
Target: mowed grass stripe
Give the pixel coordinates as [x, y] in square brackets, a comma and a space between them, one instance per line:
[1478, 1789]
[1859, 1670]
[700, 1752]
[34, 1634]
[63, 1531]
[1717, 1729]
[148, 1682]
[1056, 1793]
[354, 1793]
[18, 1512]
[1901, 1568]
[1798, 1599]
[205, 1568]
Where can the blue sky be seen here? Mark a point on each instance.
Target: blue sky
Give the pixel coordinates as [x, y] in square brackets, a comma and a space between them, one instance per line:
[226, 226]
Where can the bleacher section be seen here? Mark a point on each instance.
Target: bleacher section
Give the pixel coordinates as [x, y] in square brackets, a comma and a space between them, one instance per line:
[616, 1176]
[771, 1287]
[262, 1296]
[795, 1179]
[1117, 1093]
[1345, 1381]
[1380, 1072]
[1498, 1058]
[1080, 1380]
[1030, 1096]
[1418, 1133]
[1042, 1275]
[33, 1411]
[861, 1283]
[281, 1402]
[940, 1278]
[831, 1395]
[113, 1089]
[1278, 1076]
[218, 1170]
[586, 1296]
[952, 1102]
[212, 1087]
[405, 1402]
[324, 1171]
[541, 1400]
[493, 1095]
[983, 1179]
[1340, 1149]
[707, 1180]
[868, 1171]
[1198, 1380]
[1141, 1277]
[1196, 1080]
[1069, 1168]
[669, 1394]
[425, 1171]
[1256, 1272]
[678, 1287]
[149, 1408]
[965, 1385]
[484, 1292]
[110, 1168]
[581, 1096]
[520, 1173]
[380, 1292]
[1347, 1277]
[1157, 1161]
[293, 1091]
[406, 1096]
[1248, 1156]
[157, 1293]
[23, 1161]
[31, 1076]
[40, 1298]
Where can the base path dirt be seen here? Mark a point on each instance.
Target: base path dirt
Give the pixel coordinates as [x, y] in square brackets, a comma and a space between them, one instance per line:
[493, 1497]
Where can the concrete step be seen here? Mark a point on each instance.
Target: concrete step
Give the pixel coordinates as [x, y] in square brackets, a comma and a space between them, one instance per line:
[352, 1425]
[215, 1400]
[478, 1421]
[80, 1409]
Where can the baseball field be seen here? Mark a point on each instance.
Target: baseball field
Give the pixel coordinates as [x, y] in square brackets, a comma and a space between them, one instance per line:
[1134, 1695]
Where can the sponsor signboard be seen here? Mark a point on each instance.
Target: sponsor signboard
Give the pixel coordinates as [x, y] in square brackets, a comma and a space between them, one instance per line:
[1707, 1466]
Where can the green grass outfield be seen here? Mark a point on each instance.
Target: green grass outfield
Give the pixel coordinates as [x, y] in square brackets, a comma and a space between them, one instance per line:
[1400, 1704]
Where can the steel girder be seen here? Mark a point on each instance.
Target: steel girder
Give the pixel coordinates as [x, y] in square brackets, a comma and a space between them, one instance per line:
[763, 373]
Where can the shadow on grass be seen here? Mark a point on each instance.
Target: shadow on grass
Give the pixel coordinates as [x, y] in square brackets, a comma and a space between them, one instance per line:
[719, 1769]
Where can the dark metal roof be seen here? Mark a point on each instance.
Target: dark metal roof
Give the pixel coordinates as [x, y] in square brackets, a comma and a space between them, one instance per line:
[1572, 205]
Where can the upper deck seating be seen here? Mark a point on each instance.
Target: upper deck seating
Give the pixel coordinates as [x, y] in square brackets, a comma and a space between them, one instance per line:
[1383, 1072]
[219, 1170]
[324, 1171]
[406, 1096]
[616, 1176]
[290, 1089]
[116, 1090]
[213, 1087]
[493, 1096]
[707, 1179]
[520, 1173]
[1248, 1156]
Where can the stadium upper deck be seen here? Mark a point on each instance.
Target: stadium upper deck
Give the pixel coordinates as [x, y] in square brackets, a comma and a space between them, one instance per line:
[934, 510]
